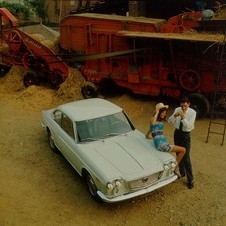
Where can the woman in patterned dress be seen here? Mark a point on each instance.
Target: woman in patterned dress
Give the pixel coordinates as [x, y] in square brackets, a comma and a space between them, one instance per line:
[161, 142]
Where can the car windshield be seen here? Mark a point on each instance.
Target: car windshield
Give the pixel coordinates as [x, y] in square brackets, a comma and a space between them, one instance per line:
[103, 127]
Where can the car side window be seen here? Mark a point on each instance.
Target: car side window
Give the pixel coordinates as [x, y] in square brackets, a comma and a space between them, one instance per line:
[67, 125]
[57, 116]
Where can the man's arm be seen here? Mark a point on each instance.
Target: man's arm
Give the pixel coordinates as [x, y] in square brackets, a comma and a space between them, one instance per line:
[189, 121]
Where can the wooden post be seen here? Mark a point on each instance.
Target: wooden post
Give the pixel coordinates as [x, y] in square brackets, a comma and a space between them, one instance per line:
[60, 13]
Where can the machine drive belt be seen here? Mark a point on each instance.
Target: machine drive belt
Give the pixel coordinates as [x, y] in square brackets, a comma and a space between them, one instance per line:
[99, 56]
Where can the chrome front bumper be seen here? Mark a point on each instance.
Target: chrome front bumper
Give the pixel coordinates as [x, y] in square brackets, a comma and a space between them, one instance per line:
[137, 193]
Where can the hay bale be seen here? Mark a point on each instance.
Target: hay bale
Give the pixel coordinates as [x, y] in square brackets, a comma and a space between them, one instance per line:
[70, 89]
[13, 80]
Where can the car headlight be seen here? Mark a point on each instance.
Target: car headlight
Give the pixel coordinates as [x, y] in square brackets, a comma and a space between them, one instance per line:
[118, 183]
[173, 165]
[110, 186]
[114, 186]
[170, 166]
[166, 167]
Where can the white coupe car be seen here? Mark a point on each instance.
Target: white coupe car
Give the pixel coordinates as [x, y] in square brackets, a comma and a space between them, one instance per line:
[116, 161]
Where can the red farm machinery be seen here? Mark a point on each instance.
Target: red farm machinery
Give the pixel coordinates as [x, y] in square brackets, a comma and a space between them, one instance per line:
[22, 48]
[147, 56]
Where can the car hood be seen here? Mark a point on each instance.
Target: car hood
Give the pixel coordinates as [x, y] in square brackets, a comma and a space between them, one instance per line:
[126, 155]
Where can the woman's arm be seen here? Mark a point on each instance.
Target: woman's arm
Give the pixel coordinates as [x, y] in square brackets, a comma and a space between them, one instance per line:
[147, 134]
[152, 122]
[154, 118]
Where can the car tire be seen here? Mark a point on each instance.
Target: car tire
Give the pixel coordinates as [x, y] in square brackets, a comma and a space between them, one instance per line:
[51, 141]
[92, 187]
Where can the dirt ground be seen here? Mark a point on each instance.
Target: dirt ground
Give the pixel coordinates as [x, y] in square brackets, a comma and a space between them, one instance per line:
[39, 187]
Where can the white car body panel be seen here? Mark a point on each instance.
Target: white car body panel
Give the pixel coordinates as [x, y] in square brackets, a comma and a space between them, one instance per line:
[84, 110]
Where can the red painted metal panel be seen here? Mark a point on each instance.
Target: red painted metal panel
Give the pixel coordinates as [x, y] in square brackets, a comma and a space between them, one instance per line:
[9, 17]
[152, 71]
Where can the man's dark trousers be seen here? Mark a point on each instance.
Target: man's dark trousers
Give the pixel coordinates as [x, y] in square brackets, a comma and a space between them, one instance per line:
[184, 139]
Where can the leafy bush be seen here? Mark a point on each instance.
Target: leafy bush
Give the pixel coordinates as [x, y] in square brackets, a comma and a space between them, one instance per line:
[39, 6]
[16, 8]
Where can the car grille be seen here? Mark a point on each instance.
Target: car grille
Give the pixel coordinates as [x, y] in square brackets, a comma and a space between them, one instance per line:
[143, 182]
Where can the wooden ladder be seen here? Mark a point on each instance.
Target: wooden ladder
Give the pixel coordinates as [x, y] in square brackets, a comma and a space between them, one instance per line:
[217, 122]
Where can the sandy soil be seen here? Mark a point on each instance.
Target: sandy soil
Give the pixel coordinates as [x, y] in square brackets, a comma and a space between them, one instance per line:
[38, 187]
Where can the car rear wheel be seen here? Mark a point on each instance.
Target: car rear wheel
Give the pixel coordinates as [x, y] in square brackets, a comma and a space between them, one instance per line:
[51, 141]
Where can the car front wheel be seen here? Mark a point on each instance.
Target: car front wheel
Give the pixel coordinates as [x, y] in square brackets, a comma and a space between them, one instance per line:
[92, 187]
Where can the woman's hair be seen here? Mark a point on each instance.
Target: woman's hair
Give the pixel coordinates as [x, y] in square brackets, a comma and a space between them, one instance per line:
[160, 111]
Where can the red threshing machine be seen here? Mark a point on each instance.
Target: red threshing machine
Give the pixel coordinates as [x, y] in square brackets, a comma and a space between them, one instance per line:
[148, 56]
[22, 49]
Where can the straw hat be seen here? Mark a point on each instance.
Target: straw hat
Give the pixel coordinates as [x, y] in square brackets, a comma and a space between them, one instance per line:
[160, 106]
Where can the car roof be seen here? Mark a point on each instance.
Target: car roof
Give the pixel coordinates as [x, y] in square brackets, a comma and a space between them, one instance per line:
[89, 109]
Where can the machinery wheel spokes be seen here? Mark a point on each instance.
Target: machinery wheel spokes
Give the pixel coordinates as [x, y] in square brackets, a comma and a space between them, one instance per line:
[89, 90]
[190, 80]
[42, 65]
[55, 78]
[30, 78]
[35, 63]
[29, 60]
[4, 70]
[14, 41]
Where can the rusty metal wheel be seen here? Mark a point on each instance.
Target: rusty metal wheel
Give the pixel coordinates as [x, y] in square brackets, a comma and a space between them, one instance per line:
[190, 80]
[14, 40]
[89, 90]
[35, 63]
[29, 60]
[30, 78]
[4, 70]
[42, 65]
[55, 78]
[200, 104]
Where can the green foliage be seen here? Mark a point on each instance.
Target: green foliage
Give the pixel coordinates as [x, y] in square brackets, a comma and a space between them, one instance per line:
[39, 7]
[16, 9]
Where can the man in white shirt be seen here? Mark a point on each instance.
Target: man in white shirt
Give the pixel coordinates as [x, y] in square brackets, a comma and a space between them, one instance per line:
[183, 119]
